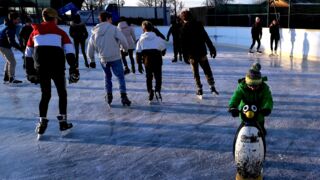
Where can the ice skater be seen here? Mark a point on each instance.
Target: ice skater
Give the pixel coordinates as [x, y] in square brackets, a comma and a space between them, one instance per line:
[24, 35]
[128, 32]
[50, 46]
[253, 90]
[194, 41]
[275, 36]
[150, 49]
[7, 40]
[175, 31]
[78, 32]
[105, 40]
[256, 34]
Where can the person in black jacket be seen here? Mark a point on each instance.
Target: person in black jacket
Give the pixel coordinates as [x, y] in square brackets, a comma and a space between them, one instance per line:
[7, 40]
[194, 40]
[256, 33]
[79, 33]
[275, 36]
[175, 30]
[24, 36]
[47, 50]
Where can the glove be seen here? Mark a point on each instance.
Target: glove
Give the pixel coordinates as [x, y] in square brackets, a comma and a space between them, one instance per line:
[213, 52]
[164, 52]
[234, 112]
[140, 68]
[33, 78]
[74, 76]
[92, 64]
[265, 112]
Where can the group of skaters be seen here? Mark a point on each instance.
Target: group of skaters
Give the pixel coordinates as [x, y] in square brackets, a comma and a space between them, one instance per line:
[256, 34]
[48, 47]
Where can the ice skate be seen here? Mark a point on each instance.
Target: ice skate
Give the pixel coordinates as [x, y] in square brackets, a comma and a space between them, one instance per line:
[126, 70]
[124, 99]
[250, 52]
[158, 96]
[151, 95]
[133, 69]
[64, 125]
[214, 91]
[41, 127]
[5, 78]
[108, 99]
[14, 81]
[200, 94]
[271, 54]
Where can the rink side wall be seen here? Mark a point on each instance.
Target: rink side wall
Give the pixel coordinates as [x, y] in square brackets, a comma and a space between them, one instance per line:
[300, 43]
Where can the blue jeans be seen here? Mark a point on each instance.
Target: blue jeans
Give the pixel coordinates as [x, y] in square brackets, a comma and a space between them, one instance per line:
[117, 70]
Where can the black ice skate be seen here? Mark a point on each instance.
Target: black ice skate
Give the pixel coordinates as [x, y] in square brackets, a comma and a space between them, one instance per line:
[41, 127]
[14, 81]
[199, 94]
[64, 125]
[5, 78]
[126, 70]
[214, 91]
[158, 96]
[151, 95]
[124, 99]
[109, 98]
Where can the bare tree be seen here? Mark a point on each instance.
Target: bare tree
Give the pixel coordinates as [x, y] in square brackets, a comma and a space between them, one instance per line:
[175, 6]
[216, 2]
[150, 3]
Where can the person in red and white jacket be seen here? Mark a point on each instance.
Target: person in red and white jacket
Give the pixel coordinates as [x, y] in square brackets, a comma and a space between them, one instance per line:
[47, 48]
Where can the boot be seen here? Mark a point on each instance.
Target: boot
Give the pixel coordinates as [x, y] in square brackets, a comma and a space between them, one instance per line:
[109, 98]
[13, 80]
[199, 92]
[126, 70]
[42, 125]
[151, 94]
[5, 78]
[86, 64]
[64, 125]
[174, 60]
[124, 99]
[213, 90]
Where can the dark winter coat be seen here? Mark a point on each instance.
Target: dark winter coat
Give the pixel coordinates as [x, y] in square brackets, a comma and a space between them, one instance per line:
[274, 31]
[261, 97]
[175, 30]
[194, 39]
[49, 46]
[25, 34]
[256, 30]
[78, 31]
[8, 36]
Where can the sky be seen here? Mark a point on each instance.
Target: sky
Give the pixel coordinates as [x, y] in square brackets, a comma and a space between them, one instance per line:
[191, 3]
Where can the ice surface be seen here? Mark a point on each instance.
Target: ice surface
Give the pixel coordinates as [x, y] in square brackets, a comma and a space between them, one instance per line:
[183, 138]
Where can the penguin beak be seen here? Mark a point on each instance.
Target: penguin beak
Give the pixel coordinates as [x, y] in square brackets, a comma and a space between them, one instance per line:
[249, 114]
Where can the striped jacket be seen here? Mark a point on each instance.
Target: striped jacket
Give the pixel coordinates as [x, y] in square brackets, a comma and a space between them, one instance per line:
[49, 46]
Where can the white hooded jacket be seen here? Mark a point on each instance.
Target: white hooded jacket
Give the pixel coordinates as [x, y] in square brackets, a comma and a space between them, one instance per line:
[106, 40]
[128, 32]
[149, 40]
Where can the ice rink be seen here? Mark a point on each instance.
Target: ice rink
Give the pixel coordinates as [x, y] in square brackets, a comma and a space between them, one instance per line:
[183, 138]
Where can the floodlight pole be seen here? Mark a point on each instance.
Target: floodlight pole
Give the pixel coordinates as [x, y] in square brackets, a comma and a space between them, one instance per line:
[91, 8]
[165, 22]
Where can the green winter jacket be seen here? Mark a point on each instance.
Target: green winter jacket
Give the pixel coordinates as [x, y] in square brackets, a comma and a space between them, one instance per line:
[262, 97]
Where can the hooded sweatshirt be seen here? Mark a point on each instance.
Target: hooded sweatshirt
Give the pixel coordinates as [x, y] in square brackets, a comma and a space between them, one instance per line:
[128, 32]
[106, 40]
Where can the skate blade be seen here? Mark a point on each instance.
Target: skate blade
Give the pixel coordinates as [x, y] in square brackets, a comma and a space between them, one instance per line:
[65, 132]
[39, 137]
[200, 97]
[109, 106]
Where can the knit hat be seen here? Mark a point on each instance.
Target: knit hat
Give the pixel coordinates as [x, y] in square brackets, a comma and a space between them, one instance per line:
[253, 76]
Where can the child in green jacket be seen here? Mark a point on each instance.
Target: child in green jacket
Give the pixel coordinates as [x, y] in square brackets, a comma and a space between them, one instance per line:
[252, 89]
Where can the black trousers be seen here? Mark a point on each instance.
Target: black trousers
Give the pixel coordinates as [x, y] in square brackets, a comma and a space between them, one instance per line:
[154, 71]
[275, 40]
[59, 80]
[204, 64]
[177, 49]
[254, 42]
[82, 43]
[124, 60]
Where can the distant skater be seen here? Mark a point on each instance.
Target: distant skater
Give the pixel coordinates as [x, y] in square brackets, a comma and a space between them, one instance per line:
[256, 34]
[275, 36]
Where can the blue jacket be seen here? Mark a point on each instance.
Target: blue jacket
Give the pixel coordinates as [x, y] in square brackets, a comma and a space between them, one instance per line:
[8, 36]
